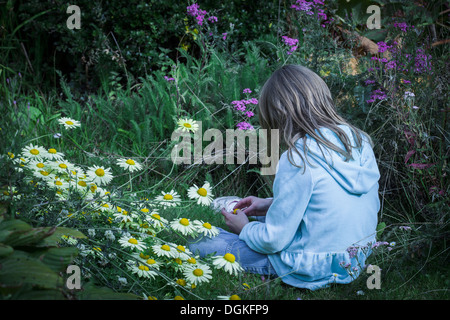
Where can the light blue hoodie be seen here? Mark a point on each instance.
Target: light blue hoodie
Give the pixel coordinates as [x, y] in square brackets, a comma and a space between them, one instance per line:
[321, 216]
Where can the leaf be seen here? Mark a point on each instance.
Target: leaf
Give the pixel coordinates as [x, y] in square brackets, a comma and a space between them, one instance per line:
[19, 268]
[5, 250]
[380, 229]
[409, 154]
[57, 259]
[58, 232]
[26, 237]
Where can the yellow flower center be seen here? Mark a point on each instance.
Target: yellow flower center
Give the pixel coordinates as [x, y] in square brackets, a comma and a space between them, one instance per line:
[187, 125]
[144, 268]
[34, 152]
[168, 197]
[156, 216]
[130, 162]
[207, 225]
[184, 222]
[144, 256]
[151, 261]
[181, 282]
[105, 205]
[133, 241]
[235, 297]
[52, 150]
[165, 247]
[58, 183]
[70, 123]
[44, 173]
[40, 165]
[93, 188]
[198, 272]
[178, 298]
[145, 210]
[63, 166]
[192, 260]
[178, 261]
[229, 257]
[202, 192]
[82, 183]
[181, 248]
[100, 172]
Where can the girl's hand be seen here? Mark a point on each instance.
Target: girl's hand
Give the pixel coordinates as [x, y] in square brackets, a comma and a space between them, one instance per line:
[254, 206]
[235, 221]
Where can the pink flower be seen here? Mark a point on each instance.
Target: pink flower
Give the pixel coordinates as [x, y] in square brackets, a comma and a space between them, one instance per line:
[244, 126]
[247, 90]
[224, 36]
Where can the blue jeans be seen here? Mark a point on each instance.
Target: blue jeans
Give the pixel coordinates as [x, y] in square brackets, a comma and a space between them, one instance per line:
[227, 242]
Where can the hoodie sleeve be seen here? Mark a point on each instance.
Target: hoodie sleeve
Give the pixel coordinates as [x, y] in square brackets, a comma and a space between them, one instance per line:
[292, 191]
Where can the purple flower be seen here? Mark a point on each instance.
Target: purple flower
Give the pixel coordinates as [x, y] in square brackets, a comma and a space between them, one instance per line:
[247, 90]
[212, 19]
[224, 36]
[169, 78]
[249, 114]
[244, 126]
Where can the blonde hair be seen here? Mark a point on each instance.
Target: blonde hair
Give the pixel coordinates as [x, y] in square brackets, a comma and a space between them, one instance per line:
[297, 101]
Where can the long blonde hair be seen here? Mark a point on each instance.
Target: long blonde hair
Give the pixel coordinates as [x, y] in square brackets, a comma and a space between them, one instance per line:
[297, 101]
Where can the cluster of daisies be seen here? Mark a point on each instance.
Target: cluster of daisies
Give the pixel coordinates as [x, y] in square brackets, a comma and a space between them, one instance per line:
[134, 226]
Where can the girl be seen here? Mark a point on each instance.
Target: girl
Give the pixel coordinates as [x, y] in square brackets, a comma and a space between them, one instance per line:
[318, 227]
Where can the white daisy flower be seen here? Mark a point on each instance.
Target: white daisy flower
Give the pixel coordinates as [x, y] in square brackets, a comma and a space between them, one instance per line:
[197, 274]
[142, 270]
[61, 166]
[69, 123]
[129, 164]
[133, 243]
[184, 226]
[183, 253]
[228, 263]
[187, 125]
[37, 165]
[34, 152]
[169, 199]
[164, 250]
[147, 260]
[99, 175]
[123, 215]
[205, 228]
[203, 194]
[53, 154]
[58, 184]
[156, 220]
[44, 174]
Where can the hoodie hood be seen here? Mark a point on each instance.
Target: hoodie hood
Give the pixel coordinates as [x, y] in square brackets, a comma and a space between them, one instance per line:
[357, 175]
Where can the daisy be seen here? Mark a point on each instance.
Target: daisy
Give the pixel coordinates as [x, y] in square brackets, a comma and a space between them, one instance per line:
[69, 123]
[169, 199]
[203, 194]
[133, 243]
[183, 253]
[184, 226]
[52, 154]
[34, 152]
[142, 270]
[123, 215]
[196, 274]
[129, 164]
[156, 220]
[164, 250]
[58, 183]
[37, 165]
[62, 166]
[228, 263]
[99, 175]
[205, 228]
[150, 262]
[187, 125]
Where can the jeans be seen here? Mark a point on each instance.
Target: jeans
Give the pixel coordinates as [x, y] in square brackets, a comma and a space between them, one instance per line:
[227, 242]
